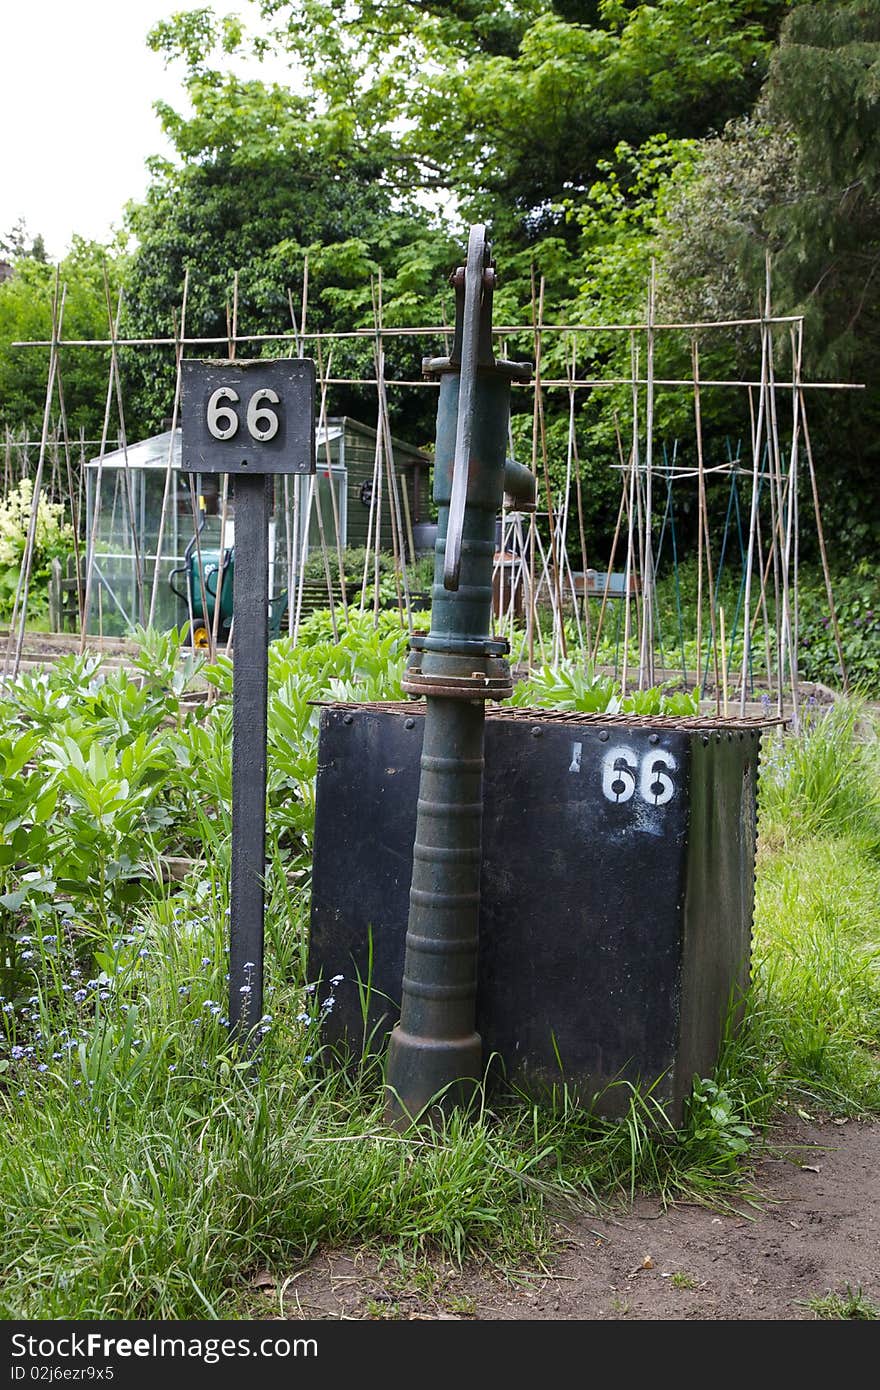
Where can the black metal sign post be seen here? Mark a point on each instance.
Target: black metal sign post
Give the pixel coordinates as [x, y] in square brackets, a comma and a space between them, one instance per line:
[250, 694]
[251, 420]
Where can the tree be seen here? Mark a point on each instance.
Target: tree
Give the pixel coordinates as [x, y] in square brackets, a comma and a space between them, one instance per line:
[18, 244]
[26, 315]
[829, 232]
[800, 179]
[260, 188]
[510, 106]
[504, 109]
[537, 118]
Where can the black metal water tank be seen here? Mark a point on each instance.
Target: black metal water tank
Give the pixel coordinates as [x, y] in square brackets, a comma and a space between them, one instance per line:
[617, 891]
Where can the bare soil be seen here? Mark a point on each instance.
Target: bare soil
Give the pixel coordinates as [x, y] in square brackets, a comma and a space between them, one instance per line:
[809, 1228]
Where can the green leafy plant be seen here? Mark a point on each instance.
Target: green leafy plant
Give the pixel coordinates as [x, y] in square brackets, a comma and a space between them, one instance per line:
[857, 608]
[115, 1054]
[715, 1121]
[52, 537]
[572, 685]
[823, 777]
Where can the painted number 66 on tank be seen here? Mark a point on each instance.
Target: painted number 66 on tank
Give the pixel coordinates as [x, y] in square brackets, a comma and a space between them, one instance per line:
[623, 775]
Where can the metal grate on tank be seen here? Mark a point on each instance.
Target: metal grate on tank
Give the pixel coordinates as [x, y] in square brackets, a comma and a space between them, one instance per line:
[752, 723]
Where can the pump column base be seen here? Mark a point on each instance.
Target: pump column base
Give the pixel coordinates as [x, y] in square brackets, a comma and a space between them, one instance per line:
[442, 1074]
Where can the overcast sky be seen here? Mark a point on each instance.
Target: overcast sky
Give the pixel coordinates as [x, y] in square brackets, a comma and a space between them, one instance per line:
[77, 84]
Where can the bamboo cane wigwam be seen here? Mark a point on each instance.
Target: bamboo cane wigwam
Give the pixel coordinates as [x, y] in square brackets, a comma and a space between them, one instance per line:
[542, 568]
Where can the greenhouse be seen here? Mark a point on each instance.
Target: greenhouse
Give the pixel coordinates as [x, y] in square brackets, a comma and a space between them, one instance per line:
[143, 512]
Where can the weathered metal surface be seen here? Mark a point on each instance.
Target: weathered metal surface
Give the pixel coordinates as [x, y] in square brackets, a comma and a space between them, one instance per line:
[435, 1048]
[520, 486]
[251, 420]
[435, 1045]
[249, 712]
[709, 723]
[615, 890]
[245, 417]
[472, 288]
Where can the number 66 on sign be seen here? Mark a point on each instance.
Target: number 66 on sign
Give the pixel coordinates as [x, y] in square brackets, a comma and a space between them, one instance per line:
[248, 417]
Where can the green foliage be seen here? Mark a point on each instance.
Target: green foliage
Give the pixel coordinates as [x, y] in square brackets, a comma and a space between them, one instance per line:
[52, 538]
[115, 1056]
[584, 132]
[511, 106]
[18, 244]
[26, 314]
[355, 558]
[263, 186]
[823, 779]
[715, 1119]
[83, 832]
[541, 119]
[619, 219]
[716, 228]
[363, 663]
[622, 212]
[815, 1007]
[568, 685]
[849, 1304]
[801, 178]
[27, 807]
[857, 606]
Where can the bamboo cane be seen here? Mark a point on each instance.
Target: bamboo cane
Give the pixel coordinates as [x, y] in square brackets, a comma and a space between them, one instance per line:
[20, 604]
[398, 542]
[129, 492]
[72, 494]
[820, 532]
[646, 662]
[175, 409]
[580, 504]
[703, 523]
[337, 527]
[753, 525]
[370, 518]
[723, 663]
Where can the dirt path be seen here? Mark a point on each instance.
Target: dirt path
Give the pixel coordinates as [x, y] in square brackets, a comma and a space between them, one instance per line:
[816, 1233]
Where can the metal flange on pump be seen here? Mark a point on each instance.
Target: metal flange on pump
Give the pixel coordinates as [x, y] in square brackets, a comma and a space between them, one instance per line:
[435, 1053]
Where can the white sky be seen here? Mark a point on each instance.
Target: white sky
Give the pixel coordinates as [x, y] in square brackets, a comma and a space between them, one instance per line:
[77, 84]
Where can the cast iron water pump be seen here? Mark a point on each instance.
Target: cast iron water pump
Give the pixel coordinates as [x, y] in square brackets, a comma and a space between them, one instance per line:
[435, 1052]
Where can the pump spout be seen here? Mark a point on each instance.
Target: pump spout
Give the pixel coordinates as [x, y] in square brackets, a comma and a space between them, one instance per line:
[520, 485]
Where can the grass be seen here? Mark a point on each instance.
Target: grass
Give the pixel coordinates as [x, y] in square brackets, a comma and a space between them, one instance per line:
[825, 781]
[839, 1306]
[149, 1170]
[815, 1014]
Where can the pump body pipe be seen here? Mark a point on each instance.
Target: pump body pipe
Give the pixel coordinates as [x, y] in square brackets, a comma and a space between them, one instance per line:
[435, 1052]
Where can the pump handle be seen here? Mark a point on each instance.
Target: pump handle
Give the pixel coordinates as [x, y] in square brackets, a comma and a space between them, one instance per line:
[478, 253]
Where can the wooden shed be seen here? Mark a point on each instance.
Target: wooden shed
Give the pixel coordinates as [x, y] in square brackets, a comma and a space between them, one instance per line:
[351, 447]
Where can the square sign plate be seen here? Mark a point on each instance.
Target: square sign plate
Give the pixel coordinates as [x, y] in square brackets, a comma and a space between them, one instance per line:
[248, 417]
